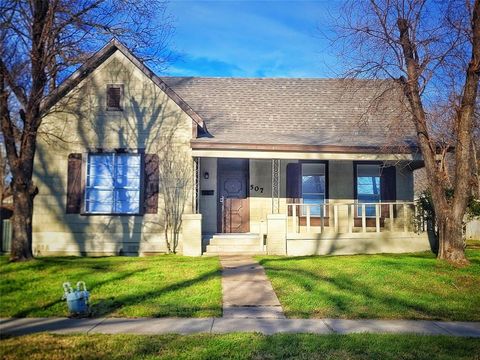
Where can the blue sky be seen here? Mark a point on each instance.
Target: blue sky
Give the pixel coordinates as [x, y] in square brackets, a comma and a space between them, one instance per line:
[253, 38]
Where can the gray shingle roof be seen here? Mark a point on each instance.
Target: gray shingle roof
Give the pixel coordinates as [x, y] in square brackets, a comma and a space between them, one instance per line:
[332, 112]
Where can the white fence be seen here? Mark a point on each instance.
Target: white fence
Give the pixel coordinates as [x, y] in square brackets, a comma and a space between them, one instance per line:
[354, 217]
[472, 230]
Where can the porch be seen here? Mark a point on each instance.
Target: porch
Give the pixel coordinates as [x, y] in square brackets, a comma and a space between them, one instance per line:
[256, 205]
[339, 233]
[349, 228]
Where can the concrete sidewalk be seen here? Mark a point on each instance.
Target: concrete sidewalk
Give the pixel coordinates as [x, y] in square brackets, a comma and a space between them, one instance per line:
[151, 326]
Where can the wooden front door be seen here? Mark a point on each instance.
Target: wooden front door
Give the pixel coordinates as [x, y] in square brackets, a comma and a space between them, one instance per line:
[233, 202]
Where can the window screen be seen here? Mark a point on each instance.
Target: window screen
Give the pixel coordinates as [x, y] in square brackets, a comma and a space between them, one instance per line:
[368, 187]
[313, 188]
[113, 184]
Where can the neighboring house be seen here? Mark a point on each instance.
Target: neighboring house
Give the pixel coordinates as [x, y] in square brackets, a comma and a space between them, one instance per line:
[471, 228]
[282, 166]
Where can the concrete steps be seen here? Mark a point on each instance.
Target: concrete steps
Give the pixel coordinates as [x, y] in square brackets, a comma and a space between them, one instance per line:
[244, 244]
[242, 240]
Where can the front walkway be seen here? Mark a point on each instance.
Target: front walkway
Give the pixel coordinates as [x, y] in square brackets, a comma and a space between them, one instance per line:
[150, 326]
[246, 290]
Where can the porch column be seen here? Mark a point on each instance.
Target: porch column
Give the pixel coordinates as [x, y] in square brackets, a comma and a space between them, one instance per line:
[275, 186]
[192, 234]
[196, 185]
[277, 234]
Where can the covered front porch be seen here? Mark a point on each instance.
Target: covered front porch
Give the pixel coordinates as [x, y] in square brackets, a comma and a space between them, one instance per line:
[293, 203]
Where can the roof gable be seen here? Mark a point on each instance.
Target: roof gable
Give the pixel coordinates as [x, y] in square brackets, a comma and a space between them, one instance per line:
[98, 59]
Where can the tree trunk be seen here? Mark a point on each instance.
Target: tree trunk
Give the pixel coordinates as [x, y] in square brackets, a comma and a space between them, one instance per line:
[451, 244]
[449, 213]
[22, 225]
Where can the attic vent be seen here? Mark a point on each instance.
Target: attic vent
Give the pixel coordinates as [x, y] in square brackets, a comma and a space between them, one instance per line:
[114, 97]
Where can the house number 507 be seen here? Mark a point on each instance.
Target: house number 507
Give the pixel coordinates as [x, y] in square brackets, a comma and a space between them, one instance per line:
[256, 188]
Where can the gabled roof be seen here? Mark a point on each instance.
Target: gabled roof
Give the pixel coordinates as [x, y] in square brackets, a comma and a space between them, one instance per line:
[98, 58]
[299, 114]
[330, 115]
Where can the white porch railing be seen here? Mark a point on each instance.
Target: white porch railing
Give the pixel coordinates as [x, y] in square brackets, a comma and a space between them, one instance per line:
[340, 217]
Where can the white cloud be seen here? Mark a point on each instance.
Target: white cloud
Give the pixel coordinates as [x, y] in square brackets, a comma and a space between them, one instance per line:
[270, 38]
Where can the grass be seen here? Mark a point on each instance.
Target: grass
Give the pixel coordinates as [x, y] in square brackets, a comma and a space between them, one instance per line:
[156, 286]
[401, 286]
[239, 346]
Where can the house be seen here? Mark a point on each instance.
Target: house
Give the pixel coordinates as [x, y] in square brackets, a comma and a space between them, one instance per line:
[277, 166]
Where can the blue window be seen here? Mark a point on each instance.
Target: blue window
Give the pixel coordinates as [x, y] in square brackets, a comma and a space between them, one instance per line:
[313, 188]
[113, 183]
[368, 188]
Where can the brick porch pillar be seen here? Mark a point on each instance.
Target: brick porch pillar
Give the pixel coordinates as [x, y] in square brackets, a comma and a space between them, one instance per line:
[277, 234]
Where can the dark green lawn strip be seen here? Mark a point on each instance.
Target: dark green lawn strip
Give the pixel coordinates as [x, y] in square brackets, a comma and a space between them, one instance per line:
[156, 286]
[239, 346]
[388, 286]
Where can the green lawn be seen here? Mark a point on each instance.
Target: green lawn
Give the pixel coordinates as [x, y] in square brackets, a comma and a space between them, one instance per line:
[239, 346]
[403, 286]
[156, 286]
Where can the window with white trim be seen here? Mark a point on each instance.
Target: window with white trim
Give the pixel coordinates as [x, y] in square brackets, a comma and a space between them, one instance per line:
[113, 183]
[313, 188]
[368, 188]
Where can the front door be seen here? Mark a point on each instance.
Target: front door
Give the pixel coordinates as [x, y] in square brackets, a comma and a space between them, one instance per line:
[233, 202]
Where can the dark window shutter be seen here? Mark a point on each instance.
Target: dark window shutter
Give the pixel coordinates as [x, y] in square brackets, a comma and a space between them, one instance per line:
[388, 184]
[294, 190]
[114, 94]
[388, 189]
[74, 184]
[152, 176]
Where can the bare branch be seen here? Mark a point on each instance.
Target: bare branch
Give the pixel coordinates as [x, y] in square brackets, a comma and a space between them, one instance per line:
[432, 49]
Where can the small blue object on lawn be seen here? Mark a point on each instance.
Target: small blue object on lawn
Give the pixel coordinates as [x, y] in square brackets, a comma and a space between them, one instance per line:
[77, 300]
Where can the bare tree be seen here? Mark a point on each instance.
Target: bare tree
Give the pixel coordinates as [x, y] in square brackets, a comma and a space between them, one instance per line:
[175, 179]
[476, 158]
[4, 188]
[41, 43]
[432, 51]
